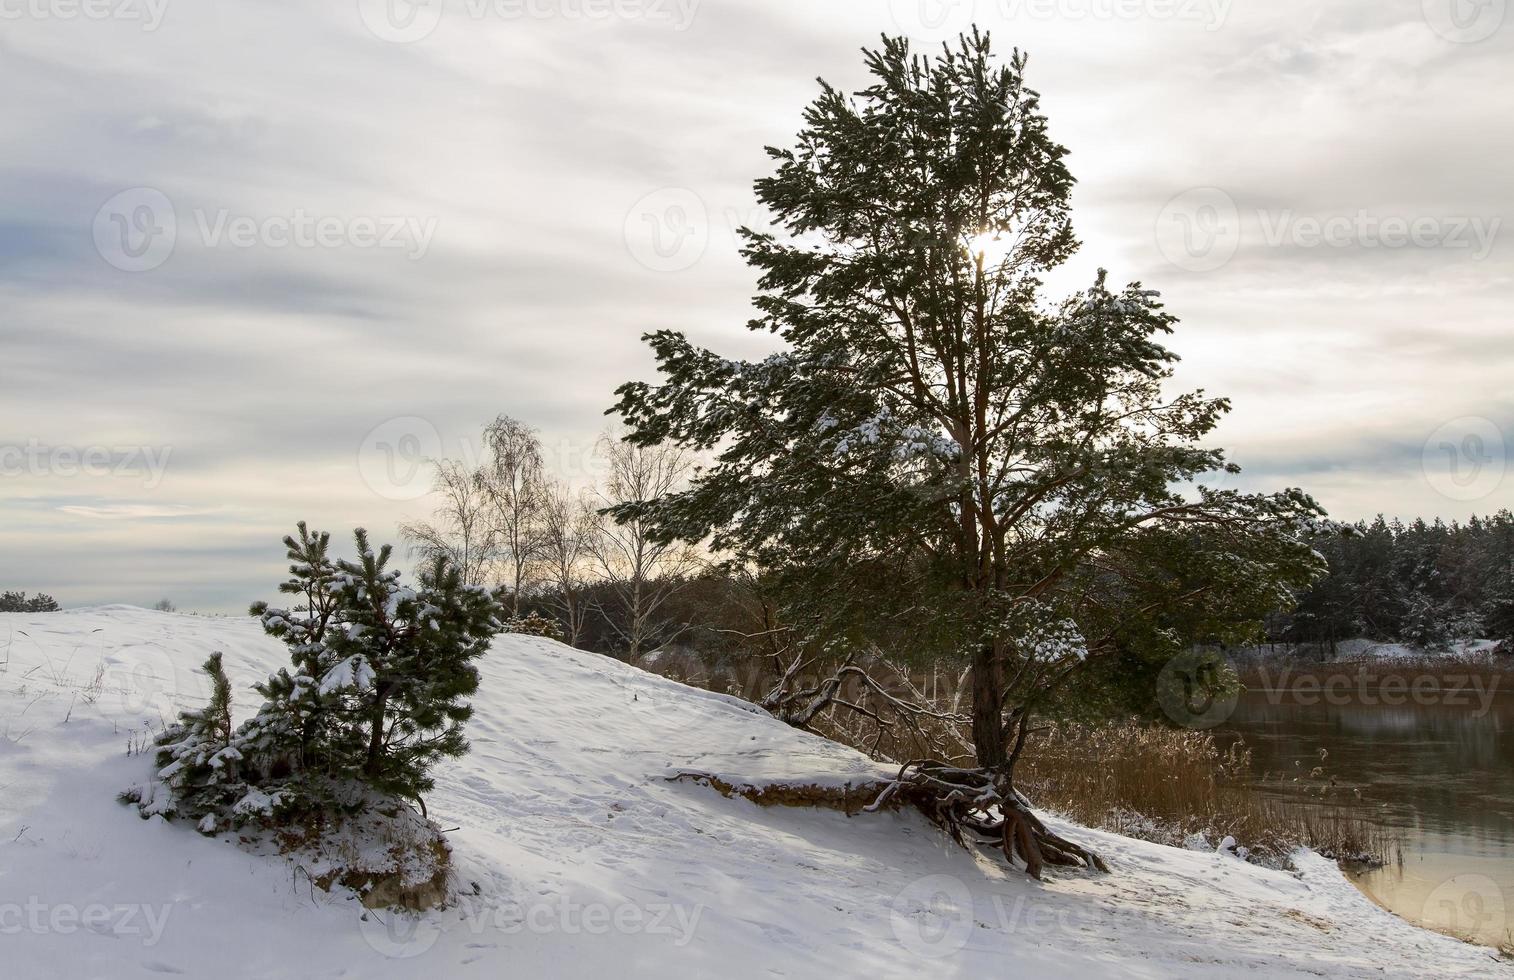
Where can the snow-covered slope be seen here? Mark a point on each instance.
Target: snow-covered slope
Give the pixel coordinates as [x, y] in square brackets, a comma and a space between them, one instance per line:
[586, 861]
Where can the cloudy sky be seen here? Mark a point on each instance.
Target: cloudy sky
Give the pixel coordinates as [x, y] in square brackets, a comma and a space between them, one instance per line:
[257, 259]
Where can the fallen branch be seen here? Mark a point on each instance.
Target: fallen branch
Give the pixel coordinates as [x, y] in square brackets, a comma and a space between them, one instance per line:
[806, 707]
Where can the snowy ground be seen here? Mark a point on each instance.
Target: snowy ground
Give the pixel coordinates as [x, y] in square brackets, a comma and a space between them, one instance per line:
[585, 860]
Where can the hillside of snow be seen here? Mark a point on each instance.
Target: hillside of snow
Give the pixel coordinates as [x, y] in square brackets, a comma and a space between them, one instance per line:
[577, 857]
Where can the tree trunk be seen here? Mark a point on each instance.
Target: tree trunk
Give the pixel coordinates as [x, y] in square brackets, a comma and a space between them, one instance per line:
[376, 734]
[636, 620]
[988, 713]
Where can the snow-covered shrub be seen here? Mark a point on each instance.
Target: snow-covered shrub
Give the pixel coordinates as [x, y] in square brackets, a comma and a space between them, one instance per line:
[535, 624]
[374, 695]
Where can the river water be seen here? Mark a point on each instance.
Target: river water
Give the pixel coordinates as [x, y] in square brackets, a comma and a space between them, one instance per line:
[1436, 767]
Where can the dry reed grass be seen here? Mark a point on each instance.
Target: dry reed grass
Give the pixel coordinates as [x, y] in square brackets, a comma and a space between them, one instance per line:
[1172, 786]
[1181, 787]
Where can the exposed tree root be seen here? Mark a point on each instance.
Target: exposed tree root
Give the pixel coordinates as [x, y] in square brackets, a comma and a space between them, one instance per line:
[962, 802]
[849, 798]
[985, 804]
[978, 801]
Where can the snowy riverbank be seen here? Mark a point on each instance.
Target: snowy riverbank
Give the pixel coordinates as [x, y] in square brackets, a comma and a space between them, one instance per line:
[575, 856]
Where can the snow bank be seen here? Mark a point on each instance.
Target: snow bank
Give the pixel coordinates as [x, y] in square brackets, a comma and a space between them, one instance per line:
[1361, 648]
[578, 857]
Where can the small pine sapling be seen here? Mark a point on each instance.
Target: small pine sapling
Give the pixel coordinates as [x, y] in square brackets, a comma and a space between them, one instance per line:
[374, 694]
[198, 766]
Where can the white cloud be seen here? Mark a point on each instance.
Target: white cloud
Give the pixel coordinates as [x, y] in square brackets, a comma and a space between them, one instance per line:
[119, 512]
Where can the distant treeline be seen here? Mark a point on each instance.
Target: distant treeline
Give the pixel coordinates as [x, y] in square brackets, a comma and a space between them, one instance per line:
[21, 602]
[1425, 584]
[709, 615]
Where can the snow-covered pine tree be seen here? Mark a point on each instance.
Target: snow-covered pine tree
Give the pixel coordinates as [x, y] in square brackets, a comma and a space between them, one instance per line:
[937, 452]
[1428, 618]
[404, 667]
[374, 695]
[198, 769]
[1498, 613]
[290, 733]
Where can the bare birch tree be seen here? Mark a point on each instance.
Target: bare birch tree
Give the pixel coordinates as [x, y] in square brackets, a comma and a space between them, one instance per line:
[641, 573]
[460, 530]
[569, 524]
[514, 485]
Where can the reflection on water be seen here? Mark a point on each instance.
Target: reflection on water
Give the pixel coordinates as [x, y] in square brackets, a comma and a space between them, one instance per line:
[1440, 773]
